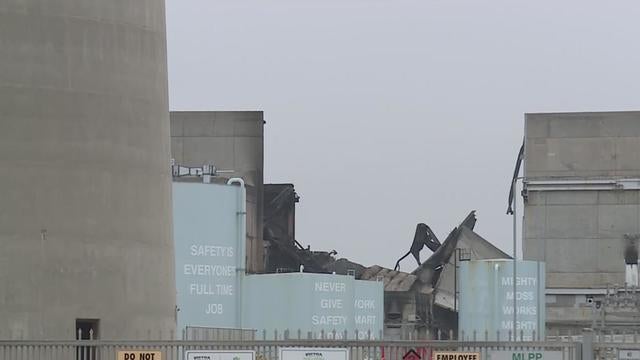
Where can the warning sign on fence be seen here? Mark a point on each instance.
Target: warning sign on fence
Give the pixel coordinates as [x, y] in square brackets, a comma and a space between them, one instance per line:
[455, 355]
[221, 355]
[139, 355]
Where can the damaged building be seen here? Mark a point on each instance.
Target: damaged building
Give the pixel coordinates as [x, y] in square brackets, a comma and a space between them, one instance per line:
[418, 304]
[423, 303]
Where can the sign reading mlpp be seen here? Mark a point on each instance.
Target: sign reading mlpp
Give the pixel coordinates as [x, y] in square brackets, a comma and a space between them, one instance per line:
[525, 355]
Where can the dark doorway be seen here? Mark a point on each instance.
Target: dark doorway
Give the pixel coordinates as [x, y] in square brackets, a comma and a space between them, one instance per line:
[86, 329]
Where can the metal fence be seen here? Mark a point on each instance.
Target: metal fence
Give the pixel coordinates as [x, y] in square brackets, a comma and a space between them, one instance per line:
[267, 350]
[609, 346]
[218, 334]
[591, 345]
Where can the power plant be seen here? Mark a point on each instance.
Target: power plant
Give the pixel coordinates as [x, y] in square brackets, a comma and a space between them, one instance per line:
[94, 247]
[85, 224]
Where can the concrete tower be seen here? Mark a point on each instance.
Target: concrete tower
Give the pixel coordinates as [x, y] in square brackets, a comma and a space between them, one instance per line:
[582, 212]
[85, 197]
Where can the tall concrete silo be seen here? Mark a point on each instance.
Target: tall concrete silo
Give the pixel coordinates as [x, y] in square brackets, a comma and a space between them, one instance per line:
[85, 197]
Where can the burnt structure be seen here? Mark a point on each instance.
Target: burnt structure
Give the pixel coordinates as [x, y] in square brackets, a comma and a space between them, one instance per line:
[424, 237]
[421, 304]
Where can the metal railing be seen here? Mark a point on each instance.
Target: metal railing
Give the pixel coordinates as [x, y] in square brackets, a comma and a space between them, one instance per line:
[607, 345]
[265, 350]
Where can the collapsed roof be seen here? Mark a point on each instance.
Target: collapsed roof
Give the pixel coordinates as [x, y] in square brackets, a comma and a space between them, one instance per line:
[437, 272]
[435, 275]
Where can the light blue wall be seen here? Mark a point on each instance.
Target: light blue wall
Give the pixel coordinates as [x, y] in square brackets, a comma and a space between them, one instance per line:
[313, 303]
[206, 215]
[205, 232]
[486, 298]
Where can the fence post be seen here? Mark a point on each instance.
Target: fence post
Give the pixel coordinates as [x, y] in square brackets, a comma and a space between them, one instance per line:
[587, 345]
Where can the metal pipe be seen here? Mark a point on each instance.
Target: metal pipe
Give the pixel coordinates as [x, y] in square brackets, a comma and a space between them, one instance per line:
[515, 309]
[240, 246]
[455, 291]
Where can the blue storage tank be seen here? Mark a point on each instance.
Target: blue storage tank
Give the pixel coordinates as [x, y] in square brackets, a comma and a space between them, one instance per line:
[487, 299]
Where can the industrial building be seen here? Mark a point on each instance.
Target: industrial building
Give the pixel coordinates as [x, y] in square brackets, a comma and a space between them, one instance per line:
[420, 304]
[425, 302]
[233, 142]
[581, 193]
[85, 222]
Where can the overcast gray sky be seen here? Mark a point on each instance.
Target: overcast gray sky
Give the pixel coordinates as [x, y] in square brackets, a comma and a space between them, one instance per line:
[386, 113]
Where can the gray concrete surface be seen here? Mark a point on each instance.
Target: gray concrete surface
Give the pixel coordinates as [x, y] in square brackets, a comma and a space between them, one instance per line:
[580, 233]
[596, 144]
[85, 215]
[231, 140]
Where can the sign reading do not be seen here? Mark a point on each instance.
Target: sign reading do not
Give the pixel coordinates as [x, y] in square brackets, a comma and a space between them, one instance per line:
[139, 355]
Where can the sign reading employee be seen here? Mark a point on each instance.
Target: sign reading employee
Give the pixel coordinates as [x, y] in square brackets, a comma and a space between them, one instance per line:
[455, 355]
[314, 354]
[221, 355]
[139, 355]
